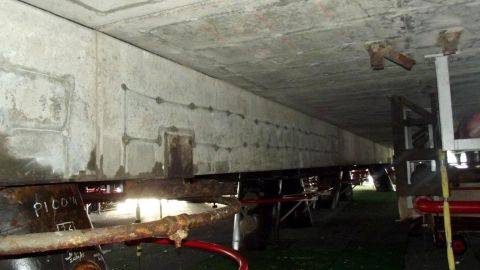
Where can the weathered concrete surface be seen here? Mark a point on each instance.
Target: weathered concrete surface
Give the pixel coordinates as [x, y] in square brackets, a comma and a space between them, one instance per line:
[81, 104]
[306, 54]
[47, 94]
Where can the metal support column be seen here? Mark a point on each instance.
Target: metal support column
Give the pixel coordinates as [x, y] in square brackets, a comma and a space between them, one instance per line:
[278, 213]
[237, 236]
[444, 102]
[448, 143]
[138, 219]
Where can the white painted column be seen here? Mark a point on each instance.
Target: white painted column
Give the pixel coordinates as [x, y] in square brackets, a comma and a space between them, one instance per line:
[445, 103]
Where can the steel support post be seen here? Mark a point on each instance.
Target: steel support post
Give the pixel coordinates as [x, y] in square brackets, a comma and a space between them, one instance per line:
[445, 103]
[237, 235]
[278, 213]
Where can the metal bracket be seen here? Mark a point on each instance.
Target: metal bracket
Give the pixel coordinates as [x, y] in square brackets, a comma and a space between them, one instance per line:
[380, 50]
[449, 40]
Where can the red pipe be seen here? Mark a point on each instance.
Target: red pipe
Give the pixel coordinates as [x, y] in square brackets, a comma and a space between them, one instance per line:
[232, 254]
[427, 205]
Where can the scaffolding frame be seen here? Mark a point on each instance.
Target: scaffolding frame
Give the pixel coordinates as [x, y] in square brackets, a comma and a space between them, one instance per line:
[449, 143]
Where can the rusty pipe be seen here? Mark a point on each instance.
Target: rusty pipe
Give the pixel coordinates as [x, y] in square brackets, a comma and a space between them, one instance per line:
[427, 205]
[168, 226]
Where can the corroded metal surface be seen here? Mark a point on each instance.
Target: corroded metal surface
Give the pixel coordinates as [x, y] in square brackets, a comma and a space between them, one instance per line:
[400, 59]
[175, 189]
[449, 40]
[165, 189]
[379, 50]
[179, 155]
[46, 209]
[41, 242]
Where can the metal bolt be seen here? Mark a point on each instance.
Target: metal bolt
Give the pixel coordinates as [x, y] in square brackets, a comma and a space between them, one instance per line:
[159, 100]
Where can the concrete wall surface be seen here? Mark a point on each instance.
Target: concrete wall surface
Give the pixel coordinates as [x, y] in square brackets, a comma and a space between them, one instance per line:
[75, 103]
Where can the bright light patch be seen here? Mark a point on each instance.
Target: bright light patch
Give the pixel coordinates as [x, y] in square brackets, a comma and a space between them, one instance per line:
[370, 180]
[451, 158]
[150, 209]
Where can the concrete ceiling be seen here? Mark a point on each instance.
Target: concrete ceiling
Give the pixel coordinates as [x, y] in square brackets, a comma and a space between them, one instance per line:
[307, 54]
